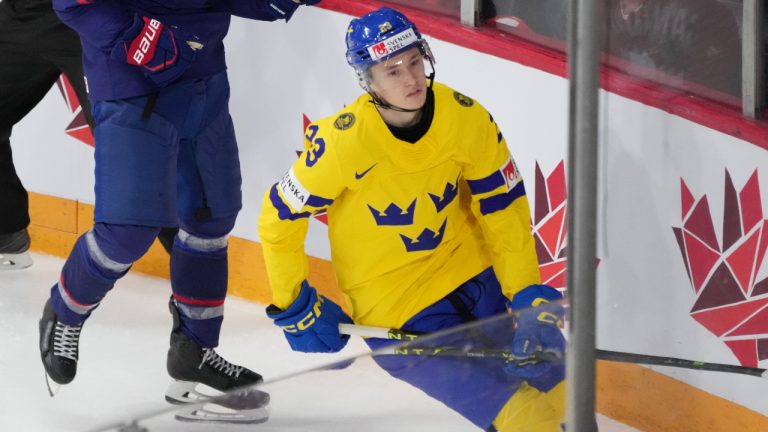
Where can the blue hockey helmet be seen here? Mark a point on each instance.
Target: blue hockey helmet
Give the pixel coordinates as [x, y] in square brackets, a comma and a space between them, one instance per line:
[379, 35]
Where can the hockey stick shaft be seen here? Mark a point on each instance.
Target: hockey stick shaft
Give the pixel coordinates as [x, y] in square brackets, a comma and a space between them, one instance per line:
[447, 351]
[625, 357]
[614, 356]
[377, 332]
[471, 353]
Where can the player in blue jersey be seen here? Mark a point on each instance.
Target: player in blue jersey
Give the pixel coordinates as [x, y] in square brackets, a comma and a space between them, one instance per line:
[429, 228]
[36, 49]
[165, 155]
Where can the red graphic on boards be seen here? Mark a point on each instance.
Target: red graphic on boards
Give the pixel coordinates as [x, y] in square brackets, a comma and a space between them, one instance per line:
[731, 299]
[549, 225]
[78, 128]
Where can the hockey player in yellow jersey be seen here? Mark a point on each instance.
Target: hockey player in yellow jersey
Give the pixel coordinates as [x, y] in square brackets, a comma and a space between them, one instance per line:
[429, 228]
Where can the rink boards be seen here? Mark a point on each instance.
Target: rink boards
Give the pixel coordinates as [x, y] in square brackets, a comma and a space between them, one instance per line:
[668, 186]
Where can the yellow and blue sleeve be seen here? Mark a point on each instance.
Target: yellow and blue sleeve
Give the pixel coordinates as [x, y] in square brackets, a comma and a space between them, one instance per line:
[500, 203]
[309, 187]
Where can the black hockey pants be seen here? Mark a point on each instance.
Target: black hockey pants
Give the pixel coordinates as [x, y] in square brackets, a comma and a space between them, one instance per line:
[35, 48]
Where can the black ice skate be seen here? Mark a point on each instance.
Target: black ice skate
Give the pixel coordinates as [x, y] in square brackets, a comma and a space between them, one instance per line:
[58, 349]
[14, 251]
[200, 374]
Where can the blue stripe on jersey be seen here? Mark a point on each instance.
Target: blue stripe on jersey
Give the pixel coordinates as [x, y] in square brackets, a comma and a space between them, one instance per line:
[501, 201]
[486, 184]
[316, 201]
[283, 211]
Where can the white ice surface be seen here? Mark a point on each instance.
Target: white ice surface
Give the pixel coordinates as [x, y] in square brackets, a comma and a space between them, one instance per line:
[121, 373]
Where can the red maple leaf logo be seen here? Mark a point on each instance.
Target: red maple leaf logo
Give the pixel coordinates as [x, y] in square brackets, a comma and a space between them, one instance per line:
[78, 128]
[549, 225]
[730, 302]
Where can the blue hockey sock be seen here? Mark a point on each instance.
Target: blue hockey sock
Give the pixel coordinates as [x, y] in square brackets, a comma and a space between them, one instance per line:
[199, 280]
[100, 257]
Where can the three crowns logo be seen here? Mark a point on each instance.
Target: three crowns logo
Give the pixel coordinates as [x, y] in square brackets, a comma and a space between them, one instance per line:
[449, 194]
[394, 215]
[427, 239]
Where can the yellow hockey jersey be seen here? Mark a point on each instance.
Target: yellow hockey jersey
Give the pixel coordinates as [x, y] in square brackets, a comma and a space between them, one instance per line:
[408, 223]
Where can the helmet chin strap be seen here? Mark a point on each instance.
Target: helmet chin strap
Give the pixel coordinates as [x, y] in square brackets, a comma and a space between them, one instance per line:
[378, 101]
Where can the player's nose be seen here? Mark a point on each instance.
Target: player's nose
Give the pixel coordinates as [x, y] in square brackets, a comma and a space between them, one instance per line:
[412, 77]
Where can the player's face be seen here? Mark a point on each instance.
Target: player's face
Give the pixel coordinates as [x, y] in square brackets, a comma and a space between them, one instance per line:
[400, 80]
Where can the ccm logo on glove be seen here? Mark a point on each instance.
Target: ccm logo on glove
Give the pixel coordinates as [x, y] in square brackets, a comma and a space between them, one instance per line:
[143, 49]
[550, 318]
[308, 320]
[546, 317]
[311, 322]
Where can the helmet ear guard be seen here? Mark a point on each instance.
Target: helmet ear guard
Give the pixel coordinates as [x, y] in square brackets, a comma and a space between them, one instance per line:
[364, 79]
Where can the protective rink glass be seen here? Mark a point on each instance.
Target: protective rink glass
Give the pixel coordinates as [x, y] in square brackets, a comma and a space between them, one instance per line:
[470, 367]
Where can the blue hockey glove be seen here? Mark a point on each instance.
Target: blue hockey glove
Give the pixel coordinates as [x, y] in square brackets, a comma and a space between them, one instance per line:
[539, 317]
[311, 323]
[163, 52]
[284, 8]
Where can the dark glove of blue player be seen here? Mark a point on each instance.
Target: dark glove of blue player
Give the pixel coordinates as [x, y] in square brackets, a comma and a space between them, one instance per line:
[284, 8]
[539, 317]
[163, 52]
[311, 323]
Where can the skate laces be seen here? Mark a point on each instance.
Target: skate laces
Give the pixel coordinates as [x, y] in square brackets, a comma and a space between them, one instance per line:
[217, 362]
[65, 339]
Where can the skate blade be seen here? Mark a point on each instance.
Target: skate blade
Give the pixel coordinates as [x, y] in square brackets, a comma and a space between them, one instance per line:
[15, 261]
[53, 386]
[214, 413]
[190, 392]
[243, 407]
